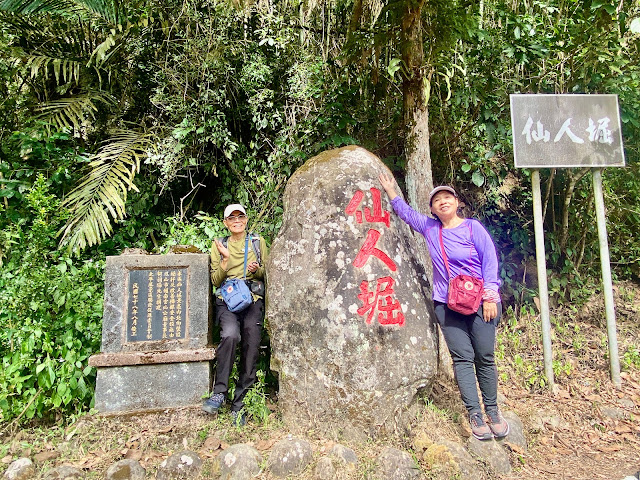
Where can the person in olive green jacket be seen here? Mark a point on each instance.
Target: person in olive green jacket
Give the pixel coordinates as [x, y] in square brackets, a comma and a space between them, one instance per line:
[245, 327]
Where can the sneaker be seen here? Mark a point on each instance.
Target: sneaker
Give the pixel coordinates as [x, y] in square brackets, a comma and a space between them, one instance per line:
[479, 428]
[497, 424]
[238, 419]
[213, 403]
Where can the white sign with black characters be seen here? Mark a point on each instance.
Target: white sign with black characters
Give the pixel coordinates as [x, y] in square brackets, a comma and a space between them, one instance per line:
[567, 130]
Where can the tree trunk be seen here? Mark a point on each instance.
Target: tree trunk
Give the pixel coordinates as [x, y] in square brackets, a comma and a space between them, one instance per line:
[574, 178]
[416, 114]
[418, 177]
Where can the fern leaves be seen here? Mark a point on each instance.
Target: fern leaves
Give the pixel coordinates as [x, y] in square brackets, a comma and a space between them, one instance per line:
[72, 111]
[73, 45]
[108, 10]
[26, 7]
[102, 193]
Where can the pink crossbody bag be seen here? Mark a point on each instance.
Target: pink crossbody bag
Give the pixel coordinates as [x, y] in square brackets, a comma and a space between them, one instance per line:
[465, 291]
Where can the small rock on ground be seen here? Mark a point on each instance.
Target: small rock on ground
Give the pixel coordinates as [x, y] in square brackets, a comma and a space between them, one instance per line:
[239, 462]
[516, 430]
[290, 456]
[20, 469]
[127, 469]
[467, 466]
[539, 423]
[615, 413]
[180, 466]
[395, 464]
[344, 456]
[64, 472]
[492, 453]
[325, 469]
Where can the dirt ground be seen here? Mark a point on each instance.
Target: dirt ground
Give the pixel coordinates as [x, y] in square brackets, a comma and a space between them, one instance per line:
[587, 429]
[587, 444]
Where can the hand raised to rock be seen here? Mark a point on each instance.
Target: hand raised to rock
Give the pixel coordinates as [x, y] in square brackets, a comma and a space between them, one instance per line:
[387, 183]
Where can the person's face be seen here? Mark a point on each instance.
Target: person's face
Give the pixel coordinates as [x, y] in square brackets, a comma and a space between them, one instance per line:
[236, 222]
[444, 204]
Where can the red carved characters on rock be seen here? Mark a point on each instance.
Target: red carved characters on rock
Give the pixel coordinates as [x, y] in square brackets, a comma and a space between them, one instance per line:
[378, 214]
[381, 299]
[369, 248]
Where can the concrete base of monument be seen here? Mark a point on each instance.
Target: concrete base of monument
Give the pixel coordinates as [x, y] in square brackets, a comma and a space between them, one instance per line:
[151, 387]
[136, 381]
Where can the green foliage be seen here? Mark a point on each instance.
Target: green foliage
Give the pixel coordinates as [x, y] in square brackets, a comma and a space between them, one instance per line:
[200, 232]
[50, 317]
[255, 401]
[631, 358]
[514, 357]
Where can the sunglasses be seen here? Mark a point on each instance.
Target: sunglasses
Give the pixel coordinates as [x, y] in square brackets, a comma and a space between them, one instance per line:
[233, 218]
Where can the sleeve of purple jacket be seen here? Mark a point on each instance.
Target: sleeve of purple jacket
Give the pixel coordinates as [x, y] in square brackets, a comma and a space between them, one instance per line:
[418, 221]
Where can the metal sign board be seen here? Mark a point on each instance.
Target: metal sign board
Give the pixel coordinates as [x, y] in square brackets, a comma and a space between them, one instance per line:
[555, 131]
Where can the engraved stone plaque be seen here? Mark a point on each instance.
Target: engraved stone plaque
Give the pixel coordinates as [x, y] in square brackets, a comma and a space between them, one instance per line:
[157, 304]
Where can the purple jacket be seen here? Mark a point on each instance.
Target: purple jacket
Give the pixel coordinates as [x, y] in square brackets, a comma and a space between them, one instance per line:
[469, 249]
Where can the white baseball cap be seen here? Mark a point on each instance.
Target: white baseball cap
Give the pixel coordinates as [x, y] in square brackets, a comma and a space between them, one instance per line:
[232, 208]
[440, 189]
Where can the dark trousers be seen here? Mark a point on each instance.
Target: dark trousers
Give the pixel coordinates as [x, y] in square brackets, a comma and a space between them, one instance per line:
[471, 342]
[244, 327]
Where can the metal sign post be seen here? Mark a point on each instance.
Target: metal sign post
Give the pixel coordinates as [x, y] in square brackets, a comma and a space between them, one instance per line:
[542, 278]
[561, 131]
[609, 306]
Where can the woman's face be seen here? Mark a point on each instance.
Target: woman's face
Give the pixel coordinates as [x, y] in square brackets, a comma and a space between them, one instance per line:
[236, 222]
[444, 204]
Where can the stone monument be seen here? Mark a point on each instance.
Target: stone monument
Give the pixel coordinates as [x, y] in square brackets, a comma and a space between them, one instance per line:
[349, 307]
[156, 341]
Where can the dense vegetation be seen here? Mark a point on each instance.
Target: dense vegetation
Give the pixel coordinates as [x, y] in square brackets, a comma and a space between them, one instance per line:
[131, 124]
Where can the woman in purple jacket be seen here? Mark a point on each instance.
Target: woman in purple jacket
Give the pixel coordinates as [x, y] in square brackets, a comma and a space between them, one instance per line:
[470, 338]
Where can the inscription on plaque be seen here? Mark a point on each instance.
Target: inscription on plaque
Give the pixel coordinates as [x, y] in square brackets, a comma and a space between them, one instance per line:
[157, 304]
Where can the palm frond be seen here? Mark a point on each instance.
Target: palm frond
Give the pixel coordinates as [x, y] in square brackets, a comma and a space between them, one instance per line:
[103, 51]
[68, 40]
[109, 11]
[102, 193]
[26, 7]
[70, 112]
[68, 70]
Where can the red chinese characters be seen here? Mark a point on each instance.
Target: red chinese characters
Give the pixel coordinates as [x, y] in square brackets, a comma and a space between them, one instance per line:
[369, 248]
[378, 214]
[381, 298]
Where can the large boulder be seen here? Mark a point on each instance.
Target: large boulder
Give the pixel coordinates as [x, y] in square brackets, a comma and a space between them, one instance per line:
[348, 305]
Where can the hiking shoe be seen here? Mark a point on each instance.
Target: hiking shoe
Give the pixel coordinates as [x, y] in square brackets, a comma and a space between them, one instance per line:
[479, 428]
[213, 403]
[497, 424]
[238, 419]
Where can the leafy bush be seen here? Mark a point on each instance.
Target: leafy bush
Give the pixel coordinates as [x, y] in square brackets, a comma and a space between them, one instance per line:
[255, 401]
[50, 317]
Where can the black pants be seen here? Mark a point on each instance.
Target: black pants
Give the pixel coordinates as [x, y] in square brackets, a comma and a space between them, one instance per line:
[471, 342]
[244, 327]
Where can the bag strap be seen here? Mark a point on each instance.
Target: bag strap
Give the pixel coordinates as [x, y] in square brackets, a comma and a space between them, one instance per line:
[255, 245]
[246, 251]
[444, 254]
